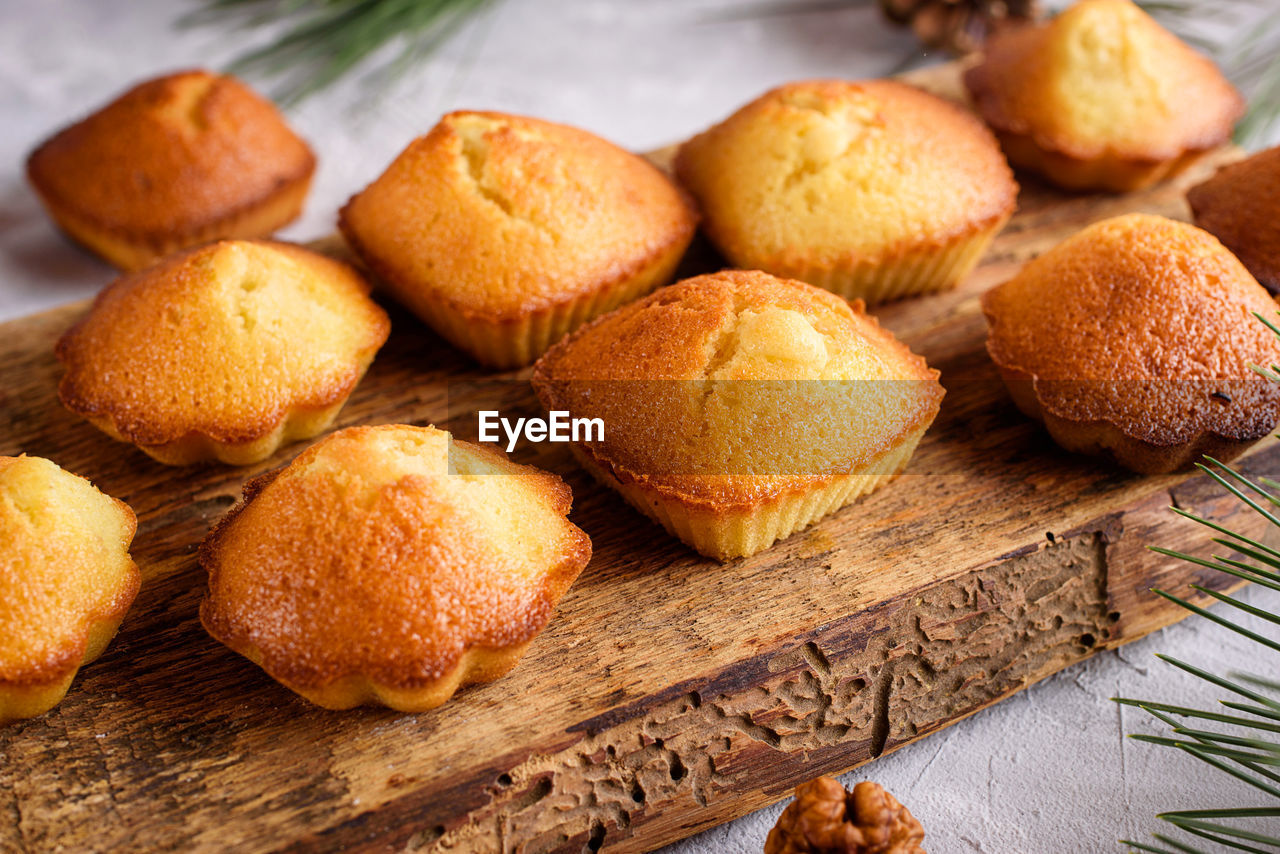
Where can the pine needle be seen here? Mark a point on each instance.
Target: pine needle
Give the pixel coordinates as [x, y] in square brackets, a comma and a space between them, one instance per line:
[1260, 613]
[1245, 750]
[1178, 847]
[1252, 710]
[1187, 712]
[1257, 681]
[1200, 824]
[324, 40]
[1247, 574]
[1222, 621]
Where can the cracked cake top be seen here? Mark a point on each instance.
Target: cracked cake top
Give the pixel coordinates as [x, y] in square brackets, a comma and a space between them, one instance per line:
[222, 352]
[735, 385]
[829, 172]
[175, 161]
[496, 216]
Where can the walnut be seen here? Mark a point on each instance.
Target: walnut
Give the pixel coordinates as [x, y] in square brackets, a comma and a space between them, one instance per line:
[825, 819]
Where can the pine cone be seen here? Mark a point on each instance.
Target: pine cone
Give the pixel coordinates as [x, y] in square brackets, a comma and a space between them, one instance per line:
[960, 26]
[825, 819]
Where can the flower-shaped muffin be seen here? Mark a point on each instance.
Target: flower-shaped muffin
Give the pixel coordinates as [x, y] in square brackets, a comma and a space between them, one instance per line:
[66, 581]
[223, 352]
[874, 190]
[173, 162]
[739, 408]
[504, 233]
[1135, 339]
[1102, 97]
[1241, 207]
[391, 565]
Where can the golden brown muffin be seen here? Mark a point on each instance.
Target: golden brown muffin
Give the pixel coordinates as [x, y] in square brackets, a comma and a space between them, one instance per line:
[66, 581]
[1134, 339]
[503, 233]
[174, 162]
[739, 408]
[1102, 98]
[874, 190]
[1241, 207]
[222, 352]
[390, 565]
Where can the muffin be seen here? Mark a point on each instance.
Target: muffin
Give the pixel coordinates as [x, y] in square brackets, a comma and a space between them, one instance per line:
[1240, 205]
[1135, 339]
[224, 352]
[173, 162]
[739, 408]
[66, 581]
[390, 565]
[503, 233]
[873, 190]
[1102, 98]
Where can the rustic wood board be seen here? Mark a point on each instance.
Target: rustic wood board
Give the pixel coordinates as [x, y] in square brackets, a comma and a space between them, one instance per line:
[669, 693]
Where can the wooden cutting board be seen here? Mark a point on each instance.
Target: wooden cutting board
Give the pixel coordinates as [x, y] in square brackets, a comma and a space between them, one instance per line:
[669, 693]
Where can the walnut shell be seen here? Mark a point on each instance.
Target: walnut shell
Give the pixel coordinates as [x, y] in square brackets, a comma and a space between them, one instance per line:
[825, 819]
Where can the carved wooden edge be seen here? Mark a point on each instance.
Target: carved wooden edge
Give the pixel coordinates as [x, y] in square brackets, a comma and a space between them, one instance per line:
[833, 699]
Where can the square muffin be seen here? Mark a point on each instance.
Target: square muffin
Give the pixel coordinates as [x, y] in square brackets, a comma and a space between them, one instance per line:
[739, 408]
[503, 233]
[174, 162]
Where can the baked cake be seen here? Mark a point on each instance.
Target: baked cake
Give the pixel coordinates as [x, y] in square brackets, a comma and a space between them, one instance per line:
[874, 190]
[1136, 339]
[503, 233]
[222, 352]
[1240, 205]
[739, 408]
[66, 581]
[1102, 98]
[390, 565]
[174, 162]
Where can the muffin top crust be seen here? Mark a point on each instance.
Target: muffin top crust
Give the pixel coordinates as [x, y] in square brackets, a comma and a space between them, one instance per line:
[499, 216]
[171, 155]
[1240, 205]
[828, 171]
[386, 553]
[64, 566]
[732, 386]
[1144, 323]
[1104, 78]
[223, 341]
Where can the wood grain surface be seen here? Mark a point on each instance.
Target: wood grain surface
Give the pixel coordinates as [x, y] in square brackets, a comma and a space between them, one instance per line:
[669, 693]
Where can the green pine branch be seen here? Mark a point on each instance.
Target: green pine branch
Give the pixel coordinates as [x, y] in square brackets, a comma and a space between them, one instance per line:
[323, 41]
[1247, 747]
